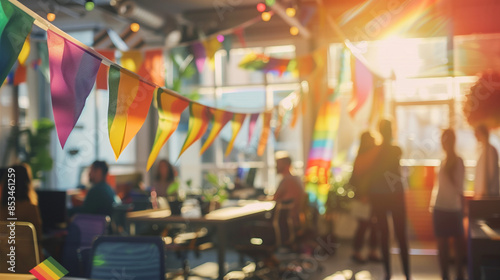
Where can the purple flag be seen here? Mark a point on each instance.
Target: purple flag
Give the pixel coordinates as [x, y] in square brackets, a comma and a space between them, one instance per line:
[73, 72]
[251, 125]
[199, 55]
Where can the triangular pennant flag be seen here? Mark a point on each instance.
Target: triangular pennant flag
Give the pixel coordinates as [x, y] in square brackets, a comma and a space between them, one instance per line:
[73, 71]
[25, 52]
[131, 60]
[236, 124]
[199, 55]
[212, 45]
[43, 54]
[20, 75]
[102, 75]
[362, 83]
[251, 125]
[240, 33]
[279, 122]
[227, 45]
[219, 119]
[199, 117]
[129, 102]
[266, 129]
[170, 108]
[153, 67]
[15, 25]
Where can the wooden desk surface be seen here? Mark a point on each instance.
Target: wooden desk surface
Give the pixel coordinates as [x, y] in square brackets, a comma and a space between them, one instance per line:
[219, 215]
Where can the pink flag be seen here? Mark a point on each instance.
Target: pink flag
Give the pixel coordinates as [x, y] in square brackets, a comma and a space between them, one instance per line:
[362, 81]
[251, 125]
[73, 72]
[199, 55]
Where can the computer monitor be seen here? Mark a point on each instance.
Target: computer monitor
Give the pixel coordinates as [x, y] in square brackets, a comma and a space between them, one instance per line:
[52, 205]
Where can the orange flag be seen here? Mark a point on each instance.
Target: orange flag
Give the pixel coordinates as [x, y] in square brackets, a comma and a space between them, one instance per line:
[236, 125]
[131, 60]
[153, 67]
[170, 108]
[266, 129]
[199, 117]
[219, 119]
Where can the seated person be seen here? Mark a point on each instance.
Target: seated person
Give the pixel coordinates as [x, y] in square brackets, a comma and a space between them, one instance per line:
[100, 197]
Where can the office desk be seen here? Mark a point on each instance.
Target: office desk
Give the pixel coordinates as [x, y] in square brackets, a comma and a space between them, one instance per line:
[222, 219]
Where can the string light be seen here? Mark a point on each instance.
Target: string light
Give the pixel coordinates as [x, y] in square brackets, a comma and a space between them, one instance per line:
[51, 16]
[290, 12]
[220, 38]
[270, 2]
[135, 27]
[261, 7]
[89, 5]
[294, 30]
[266, 16]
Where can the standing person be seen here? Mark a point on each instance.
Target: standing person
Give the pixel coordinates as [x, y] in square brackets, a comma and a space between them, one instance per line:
[290, 188]
[361, 181]
[101, 197]
[165, 176]
[387, 196]
[447, 204]
[487, 173]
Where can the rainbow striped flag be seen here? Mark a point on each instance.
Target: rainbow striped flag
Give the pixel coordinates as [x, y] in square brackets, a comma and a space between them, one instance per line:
[49, 269]
[15, 25]
[236, 125]
[129, 102]
[170, 108]
[219, 119]
[199, 117]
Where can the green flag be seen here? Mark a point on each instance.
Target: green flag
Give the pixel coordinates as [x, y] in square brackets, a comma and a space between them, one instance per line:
[15, 25]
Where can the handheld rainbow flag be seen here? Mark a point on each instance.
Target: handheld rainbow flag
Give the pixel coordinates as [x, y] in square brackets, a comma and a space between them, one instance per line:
[199, 117]
[236, 125]
[219, 119]
[73, 72]
[266, 129]
[170, 108]
[129, 102]
[15, 25]
[49, 269]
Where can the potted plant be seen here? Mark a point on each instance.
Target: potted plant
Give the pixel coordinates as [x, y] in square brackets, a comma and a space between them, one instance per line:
[214, 195]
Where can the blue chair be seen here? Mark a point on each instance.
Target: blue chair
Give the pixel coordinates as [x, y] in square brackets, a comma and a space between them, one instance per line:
[128, 257]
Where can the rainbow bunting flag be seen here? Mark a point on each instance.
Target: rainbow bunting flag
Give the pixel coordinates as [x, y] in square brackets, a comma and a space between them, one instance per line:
[153, 67]
[73, 72]
[170, 108]
[266, 129]
[49, 269]
[15, 26]
[131, 60]
[362, 82]
[219, 119]
[251, 125]
[25, 52]
[199, 117]
[129, 102]
[236, 124]
[212, 45]
[102, 75]
[325, 131]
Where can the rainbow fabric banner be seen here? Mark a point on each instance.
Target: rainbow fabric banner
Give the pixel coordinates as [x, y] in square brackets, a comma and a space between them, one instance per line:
[236, 124]
[219, 119]
[362, 83]
[129, 102]
[73, 72]
[153, 67]
[170, 108]
[266, 129]
[15, 26]
[199, 116]
[321, 153]
[49, 269]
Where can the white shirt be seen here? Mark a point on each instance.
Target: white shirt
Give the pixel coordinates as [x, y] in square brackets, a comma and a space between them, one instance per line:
[447, 194]
[486, 182]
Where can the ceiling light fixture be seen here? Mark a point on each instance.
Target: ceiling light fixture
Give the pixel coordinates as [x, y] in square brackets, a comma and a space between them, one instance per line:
[135, 27]
[294, 30]
[261, 7]
[290, 12]
[51, 17]
[266, 16]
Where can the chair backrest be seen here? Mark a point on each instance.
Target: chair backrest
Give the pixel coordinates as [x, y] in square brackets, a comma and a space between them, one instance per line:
[82, 231]
[26, 247]
[128, 257]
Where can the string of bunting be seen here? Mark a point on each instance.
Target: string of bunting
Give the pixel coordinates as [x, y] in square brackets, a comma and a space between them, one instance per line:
[74, 69]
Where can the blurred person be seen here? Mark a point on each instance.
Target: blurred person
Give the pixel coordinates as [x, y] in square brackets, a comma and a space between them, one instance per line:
[447, 207]
[25, 198]
[100, 197]
[387, 196]
[164, 177]
[487, 173]
[366, 221]
[290, 189]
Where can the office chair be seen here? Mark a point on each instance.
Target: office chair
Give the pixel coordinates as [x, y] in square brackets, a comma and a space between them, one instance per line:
[27, 253]
[131, 257]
